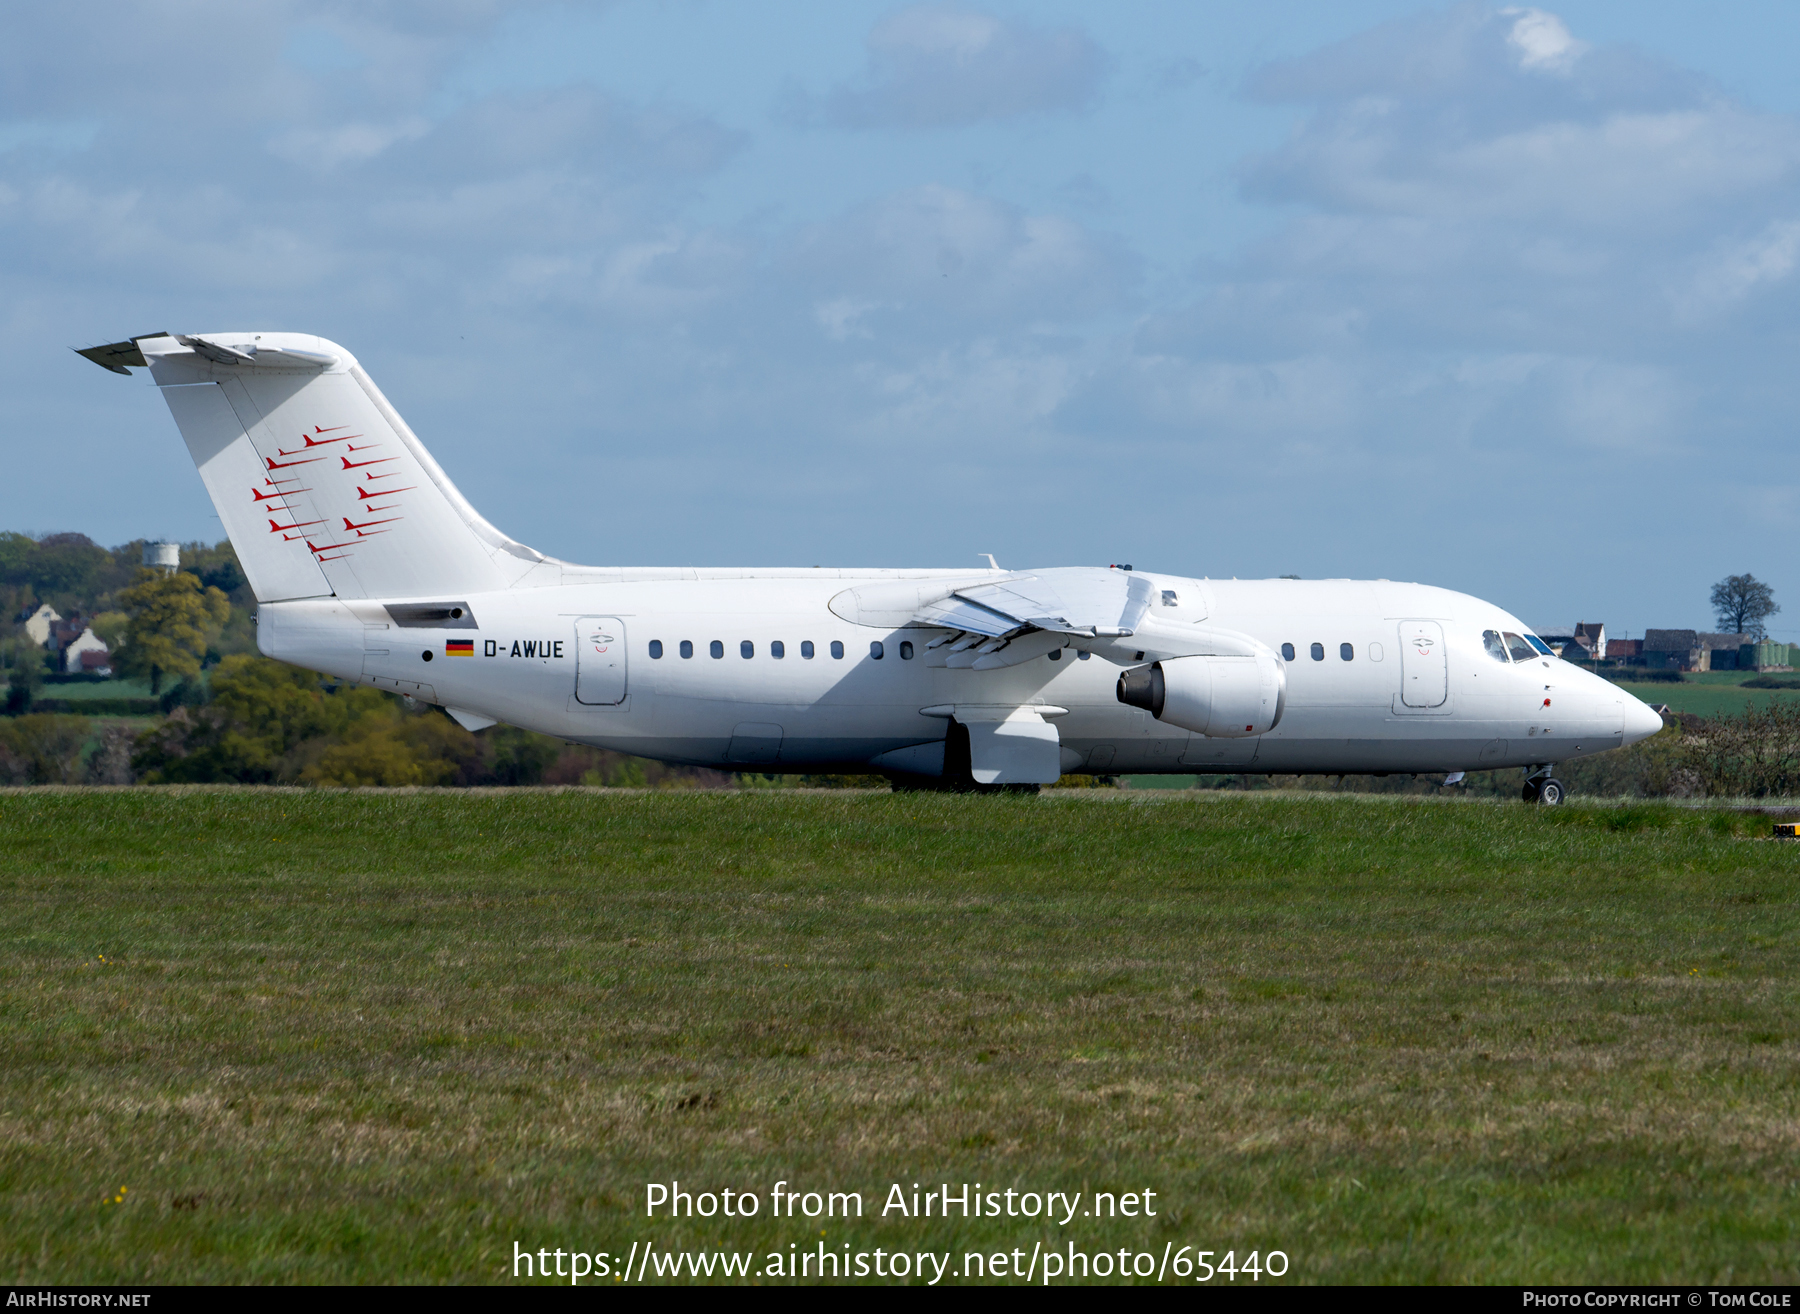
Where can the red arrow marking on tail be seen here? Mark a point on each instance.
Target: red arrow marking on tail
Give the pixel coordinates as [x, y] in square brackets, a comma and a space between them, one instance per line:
[365, 494]
[291, 479]
[391, 506]
[366, 447]
[365, 524]
[310, 443]
[371, 533]
[357, 465]
[333, 429]
[329, 547]
[338, 558]
[289, 538]
[277, 529]
[271, 497]
[282, 465]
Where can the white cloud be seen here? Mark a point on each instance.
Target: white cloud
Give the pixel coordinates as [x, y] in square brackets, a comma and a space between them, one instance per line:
[932, 66]
[1543, 41]
[1740, 268]
[840, 317]
[1451, 196]
[941, 259]
[349, 143]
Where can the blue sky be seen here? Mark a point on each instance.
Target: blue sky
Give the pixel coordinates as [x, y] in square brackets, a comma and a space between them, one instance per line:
[1500, 298]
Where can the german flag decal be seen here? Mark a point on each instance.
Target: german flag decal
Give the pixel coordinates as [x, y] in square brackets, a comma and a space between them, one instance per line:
[459, 647]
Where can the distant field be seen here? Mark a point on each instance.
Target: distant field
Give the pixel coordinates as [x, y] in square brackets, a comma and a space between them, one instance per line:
[376, 1036]
[1709, 694]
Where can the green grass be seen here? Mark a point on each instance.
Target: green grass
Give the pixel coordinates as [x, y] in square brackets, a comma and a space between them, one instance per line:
[359, 1037]
[1709, 697]
[1709, 693]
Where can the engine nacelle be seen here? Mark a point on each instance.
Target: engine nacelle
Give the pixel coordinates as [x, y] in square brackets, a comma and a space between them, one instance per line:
[1222, 697]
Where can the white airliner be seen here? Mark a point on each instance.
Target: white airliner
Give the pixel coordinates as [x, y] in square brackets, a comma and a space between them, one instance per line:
[369, 565]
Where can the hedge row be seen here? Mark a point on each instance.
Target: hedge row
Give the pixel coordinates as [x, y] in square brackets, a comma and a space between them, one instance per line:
[98, 706]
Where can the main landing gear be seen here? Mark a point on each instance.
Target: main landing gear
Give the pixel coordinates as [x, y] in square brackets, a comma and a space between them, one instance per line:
[1541, 787]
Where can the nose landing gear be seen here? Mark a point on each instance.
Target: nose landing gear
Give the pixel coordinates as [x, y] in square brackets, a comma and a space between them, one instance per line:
[1541, 787]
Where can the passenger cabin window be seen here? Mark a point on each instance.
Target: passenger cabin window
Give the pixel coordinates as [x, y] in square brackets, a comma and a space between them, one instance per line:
[837, 649]
[687, 647]
[717, 649]
[1287, 652]
[1346, 652]
[778, 649]
[1493, 645]
[806, 649]
[1520, 650]
[656, 648]
[906, 651]
[876, 651]
[746, 650]
[1318, 652]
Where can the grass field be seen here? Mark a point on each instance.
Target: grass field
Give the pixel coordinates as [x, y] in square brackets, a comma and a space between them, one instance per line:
[326, 1036]
[1709, 697]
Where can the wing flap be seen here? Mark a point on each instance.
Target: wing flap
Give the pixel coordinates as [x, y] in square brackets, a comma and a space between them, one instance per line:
[1000, 623]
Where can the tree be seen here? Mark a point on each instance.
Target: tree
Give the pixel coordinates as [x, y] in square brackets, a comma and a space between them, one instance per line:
[172, 622]
[22, 661]
[42, 750]
[66, 567]
[1742, 603]
[111, 627]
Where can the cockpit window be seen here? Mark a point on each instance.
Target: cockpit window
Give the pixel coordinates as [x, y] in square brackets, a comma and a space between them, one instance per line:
[1490, 639]
[1520, 650]
[1539, 644]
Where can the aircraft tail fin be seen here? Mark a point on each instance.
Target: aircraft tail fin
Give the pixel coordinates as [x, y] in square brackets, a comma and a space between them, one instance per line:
[322, 487]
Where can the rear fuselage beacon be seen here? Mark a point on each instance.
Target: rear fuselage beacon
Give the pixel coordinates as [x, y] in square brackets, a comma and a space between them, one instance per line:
[368, 564]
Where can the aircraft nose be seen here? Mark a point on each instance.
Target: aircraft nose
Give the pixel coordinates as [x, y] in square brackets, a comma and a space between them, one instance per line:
[1640, 721]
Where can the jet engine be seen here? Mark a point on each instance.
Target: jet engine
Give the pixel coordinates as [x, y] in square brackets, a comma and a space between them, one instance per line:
[1223, 697]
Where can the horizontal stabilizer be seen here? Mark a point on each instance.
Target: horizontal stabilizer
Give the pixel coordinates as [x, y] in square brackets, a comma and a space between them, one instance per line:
[120, 356]
[117, 356]
[254, 354]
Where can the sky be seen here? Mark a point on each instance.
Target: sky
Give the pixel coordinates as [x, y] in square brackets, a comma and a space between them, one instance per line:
[1497, 298]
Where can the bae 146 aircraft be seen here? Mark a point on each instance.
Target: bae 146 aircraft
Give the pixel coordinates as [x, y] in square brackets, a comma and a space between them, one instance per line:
[369, 565]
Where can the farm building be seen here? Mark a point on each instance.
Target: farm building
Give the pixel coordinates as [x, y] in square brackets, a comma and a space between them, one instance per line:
[1698, 650]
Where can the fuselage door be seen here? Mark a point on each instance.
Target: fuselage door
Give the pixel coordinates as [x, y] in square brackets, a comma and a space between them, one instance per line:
[600, 660]
[1424, 670]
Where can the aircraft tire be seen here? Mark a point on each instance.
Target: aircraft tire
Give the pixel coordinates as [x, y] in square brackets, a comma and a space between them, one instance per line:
[1551, 792]
[1530, 792]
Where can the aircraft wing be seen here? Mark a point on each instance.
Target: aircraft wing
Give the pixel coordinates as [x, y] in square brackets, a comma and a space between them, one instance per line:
[1002, 622]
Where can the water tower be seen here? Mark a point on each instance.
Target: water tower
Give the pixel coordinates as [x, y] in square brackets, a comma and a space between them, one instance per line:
[163, 556]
